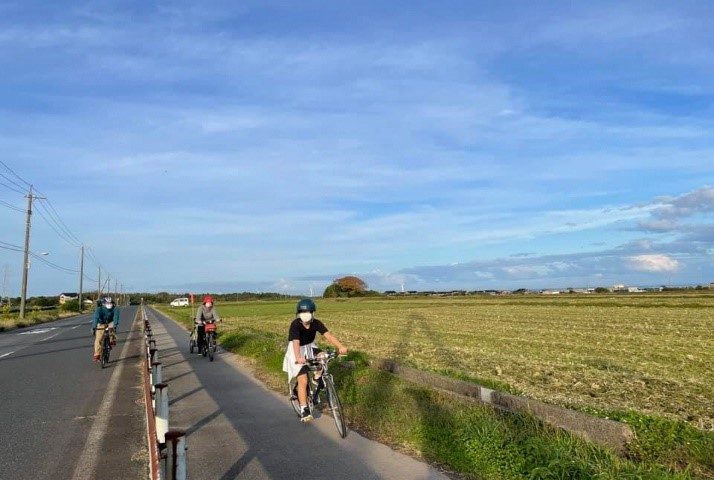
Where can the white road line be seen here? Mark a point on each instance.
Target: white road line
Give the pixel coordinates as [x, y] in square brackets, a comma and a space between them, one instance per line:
[87, 464]
[50, 337]
[6, 354]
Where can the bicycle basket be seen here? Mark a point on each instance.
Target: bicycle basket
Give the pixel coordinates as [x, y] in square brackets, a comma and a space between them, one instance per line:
[210, 327]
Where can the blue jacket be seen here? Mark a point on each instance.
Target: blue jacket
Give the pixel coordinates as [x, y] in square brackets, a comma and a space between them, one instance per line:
[104, 315]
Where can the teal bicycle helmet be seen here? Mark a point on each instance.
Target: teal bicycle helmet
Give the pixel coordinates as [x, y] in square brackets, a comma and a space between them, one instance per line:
[305, 305]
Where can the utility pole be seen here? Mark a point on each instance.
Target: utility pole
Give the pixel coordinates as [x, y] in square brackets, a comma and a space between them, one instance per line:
[81, 275]
[5, 269]
[99, 283]
[26, 263]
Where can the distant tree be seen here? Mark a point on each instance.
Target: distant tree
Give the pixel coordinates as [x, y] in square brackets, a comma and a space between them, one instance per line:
[43, 301]
[349, 286]
[602, 290]
[70, 306]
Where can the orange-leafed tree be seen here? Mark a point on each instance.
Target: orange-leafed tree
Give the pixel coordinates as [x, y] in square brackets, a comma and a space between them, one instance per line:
[349, 286]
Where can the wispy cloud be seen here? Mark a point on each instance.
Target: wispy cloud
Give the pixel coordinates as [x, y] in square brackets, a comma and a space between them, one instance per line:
[280, 144]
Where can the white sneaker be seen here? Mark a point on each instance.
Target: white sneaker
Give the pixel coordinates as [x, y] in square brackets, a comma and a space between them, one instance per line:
[306, 416]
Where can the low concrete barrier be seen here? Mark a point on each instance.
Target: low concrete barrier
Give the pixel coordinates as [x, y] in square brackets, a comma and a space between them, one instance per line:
[609, 433]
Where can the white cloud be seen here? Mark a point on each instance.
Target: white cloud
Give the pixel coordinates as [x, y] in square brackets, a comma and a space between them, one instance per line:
[653, 263]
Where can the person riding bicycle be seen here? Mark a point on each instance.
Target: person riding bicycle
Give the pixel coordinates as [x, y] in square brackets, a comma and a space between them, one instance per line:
[301, 346]
[207, 312]
[106, 315]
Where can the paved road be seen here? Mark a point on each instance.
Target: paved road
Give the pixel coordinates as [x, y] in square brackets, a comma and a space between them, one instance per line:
[62, 416]
[238, 429]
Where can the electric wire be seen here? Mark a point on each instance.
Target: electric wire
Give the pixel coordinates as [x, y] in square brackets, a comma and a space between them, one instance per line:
[51, 216]
[17, 190]
[53, 265]
[11, 206]
[57, 228]
[53, 213]
[15, 175]
[10, 246]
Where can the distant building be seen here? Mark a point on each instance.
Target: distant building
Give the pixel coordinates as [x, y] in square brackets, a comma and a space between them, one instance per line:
[66, 297]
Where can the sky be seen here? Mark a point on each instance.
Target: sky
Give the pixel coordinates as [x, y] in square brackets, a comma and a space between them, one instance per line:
[274, 146]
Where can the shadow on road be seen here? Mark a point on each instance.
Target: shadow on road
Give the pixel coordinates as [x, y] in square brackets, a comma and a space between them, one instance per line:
[245, 430]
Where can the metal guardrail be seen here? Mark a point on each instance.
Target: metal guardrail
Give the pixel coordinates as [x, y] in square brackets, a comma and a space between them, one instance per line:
[167, 447]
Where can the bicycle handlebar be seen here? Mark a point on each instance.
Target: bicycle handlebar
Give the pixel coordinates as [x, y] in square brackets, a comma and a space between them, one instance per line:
[318, 361]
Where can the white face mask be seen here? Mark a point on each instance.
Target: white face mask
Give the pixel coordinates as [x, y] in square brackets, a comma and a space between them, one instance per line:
[108, 306]
[305, 317]
[209, 304]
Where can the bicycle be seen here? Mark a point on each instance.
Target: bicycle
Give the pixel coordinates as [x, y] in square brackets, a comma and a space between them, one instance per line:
[208, 346]
[327, 384]
[106, 345]
[209, 341]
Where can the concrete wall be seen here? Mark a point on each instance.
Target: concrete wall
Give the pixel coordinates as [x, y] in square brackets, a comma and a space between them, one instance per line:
[611, 434]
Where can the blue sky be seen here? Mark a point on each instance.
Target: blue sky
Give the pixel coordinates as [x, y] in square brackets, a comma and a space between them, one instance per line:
[278, 145]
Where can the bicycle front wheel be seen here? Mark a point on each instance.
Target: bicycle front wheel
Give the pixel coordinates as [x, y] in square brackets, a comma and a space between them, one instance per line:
[335, 406]
[105, 353]
[211, 345]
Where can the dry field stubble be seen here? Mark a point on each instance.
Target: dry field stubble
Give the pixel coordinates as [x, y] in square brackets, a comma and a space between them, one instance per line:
[653, 354]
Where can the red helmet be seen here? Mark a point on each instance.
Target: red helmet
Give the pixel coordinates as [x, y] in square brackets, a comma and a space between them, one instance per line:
[207, 299]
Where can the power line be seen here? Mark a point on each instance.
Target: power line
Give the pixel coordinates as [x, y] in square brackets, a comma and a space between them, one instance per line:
[66, 228]
[11, 206]
[53, 265]
[15, 175]
[58, 219]
[57, 227]
[9, 246]
[16, 190]
[14, 182]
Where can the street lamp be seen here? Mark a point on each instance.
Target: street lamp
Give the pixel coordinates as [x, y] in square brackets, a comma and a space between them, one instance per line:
[25, 270]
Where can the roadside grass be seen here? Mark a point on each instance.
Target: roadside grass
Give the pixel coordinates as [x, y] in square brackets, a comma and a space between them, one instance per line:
[13, 321]
[643, 361]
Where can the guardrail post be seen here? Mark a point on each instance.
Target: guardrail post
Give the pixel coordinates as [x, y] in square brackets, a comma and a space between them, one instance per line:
[161, 411]
[176, 455]
[155, 376]
[153, 355]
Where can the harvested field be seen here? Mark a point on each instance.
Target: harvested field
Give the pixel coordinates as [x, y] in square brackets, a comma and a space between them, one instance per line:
[647, 352]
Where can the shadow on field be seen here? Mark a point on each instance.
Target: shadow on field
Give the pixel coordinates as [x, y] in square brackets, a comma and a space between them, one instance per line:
[432, 420]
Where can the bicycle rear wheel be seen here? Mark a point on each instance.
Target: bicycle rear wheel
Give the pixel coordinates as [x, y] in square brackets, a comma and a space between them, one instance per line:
[296, 403]
[211, 345]
[335, 406]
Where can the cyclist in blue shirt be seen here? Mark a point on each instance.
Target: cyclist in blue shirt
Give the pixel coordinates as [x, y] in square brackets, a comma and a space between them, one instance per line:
[301, 346]
[107, 315]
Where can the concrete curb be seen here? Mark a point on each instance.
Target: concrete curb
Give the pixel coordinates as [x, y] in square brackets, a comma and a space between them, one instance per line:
[608, 433]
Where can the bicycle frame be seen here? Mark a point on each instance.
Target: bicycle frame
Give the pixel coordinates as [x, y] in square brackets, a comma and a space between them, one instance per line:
[321, 362]
[209, 345]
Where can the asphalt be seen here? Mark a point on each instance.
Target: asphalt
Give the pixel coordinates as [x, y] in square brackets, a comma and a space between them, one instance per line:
[62, 415]
[236, 428]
